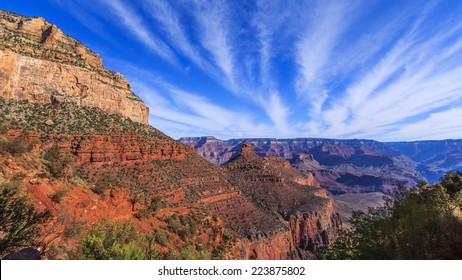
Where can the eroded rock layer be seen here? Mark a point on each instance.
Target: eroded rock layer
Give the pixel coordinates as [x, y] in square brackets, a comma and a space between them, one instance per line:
[341, 166]
[303, 210]
[39, 63]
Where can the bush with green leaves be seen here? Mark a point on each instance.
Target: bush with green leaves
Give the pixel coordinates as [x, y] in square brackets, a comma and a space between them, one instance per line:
[156, 203]
[20, 222]
[105, 183]
[116, 241]
[218, 253]
[15, 146]
[423, 222]
[58, 196]
[57, 164]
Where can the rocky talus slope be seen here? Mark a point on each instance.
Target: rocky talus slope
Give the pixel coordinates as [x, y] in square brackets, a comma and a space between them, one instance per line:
[39, 63]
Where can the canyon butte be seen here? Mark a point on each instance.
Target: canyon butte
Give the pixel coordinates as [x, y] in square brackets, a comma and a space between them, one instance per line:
[76, 141]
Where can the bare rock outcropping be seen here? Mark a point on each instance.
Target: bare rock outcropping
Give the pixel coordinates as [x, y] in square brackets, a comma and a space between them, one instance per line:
[40, 63]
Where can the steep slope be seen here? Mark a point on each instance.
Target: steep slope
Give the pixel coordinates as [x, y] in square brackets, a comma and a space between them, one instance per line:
[434, 158]
[39, 63]
[148, 165]
[341, 166]
[85, 181]
[276, 189]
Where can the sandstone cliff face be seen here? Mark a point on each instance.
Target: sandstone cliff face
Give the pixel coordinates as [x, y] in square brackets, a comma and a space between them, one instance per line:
[98, 149]
[39, 63]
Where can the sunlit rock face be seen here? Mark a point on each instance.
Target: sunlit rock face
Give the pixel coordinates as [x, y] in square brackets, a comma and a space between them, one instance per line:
[41, 64]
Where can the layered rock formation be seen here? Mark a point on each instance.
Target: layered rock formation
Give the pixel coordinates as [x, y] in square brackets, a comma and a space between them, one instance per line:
[434, 158]
[39, 63]
[341, 166]
[301, 209]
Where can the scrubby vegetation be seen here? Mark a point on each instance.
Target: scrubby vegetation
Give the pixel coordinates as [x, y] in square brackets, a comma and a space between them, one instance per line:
[19, 227]
[105, 183]
[424, 222]
[109, 240]
[116, 241]
[68, 118]
[58, 165]
[15, 146]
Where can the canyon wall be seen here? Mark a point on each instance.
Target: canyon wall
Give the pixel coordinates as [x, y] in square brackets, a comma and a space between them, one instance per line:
[41, 64]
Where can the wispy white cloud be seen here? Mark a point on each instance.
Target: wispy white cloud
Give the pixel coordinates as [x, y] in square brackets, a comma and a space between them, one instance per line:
[169, 20]
[214, 33]
[415, 77]
[298, 68]
[315, 47]
[134, 23]
[177, 112]
[441, 125]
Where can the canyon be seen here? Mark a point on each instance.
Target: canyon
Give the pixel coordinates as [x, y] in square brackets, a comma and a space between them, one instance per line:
[109, 164]
[200, 197]
[357, 173]
[347, 166]
[341, 166]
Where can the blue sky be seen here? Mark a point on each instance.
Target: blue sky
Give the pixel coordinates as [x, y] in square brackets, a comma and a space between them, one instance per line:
[385, 70]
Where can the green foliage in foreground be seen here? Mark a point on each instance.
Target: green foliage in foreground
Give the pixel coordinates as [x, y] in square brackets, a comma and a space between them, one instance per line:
[19, 221]
[116, 241]
[424, 222]
[108, 240]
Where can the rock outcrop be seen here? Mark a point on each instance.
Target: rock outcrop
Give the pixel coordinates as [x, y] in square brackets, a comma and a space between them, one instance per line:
[41, 64]
[302, 212]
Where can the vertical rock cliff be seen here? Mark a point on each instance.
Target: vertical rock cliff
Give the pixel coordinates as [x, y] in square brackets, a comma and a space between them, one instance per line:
[41, 64]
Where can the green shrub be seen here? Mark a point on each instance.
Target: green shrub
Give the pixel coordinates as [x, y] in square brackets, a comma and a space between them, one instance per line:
[58, 165]
[57, 196]
[156, 203]
[105, 183]
[161, 237]
[19, 226]
[13, 147]
[116, 241]
[173, 226]
[419, 223]
[218, 253]
[143, 213]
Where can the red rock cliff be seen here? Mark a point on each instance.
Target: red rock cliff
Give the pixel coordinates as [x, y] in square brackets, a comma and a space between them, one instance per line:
[39, 63]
